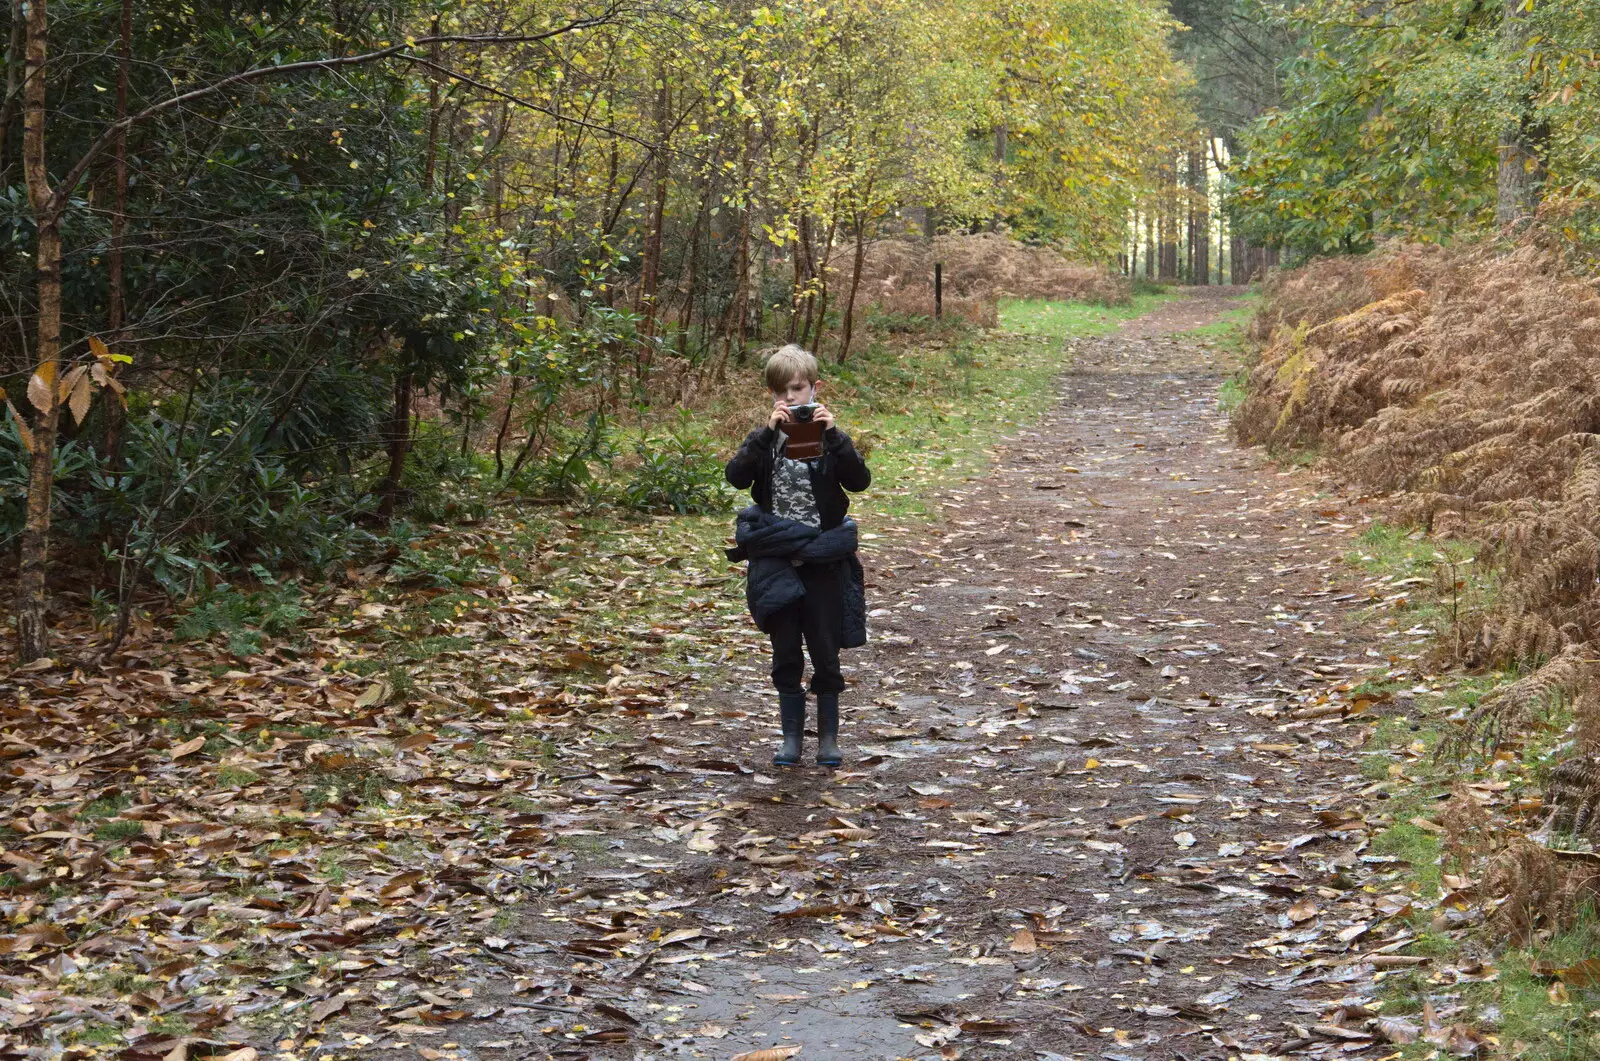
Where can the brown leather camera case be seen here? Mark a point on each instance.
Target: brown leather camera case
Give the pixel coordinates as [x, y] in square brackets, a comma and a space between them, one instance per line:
[805, 440]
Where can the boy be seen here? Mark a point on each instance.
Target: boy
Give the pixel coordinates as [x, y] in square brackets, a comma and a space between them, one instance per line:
[804, 581]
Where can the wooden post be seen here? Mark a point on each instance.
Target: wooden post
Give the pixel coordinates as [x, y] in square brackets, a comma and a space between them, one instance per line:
[938, 290]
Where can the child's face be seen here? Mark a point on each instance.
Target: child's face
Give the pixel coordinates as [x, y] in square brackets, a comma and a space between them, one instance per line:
[798, 391]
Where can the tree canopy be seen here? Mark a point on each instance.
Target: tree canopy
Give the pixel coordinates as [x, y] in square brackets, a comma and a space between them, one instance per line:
[247, 243]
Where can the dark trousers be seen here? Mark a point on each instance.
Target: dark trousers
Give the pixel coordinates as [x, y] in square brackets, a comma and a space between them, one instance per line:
[817, 619]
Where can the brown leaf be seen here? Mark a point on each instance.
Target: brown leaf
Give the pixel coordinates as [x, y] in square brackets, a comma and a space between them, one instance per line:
[1304, 910]
[23, 431]
[1582, 974]
[328, 1007]
[189, 747]
[400, 883]
[78, 401]
[1023, 942]
[41, 387]
[851, 834]
[775, 1053]
[1398, 1031]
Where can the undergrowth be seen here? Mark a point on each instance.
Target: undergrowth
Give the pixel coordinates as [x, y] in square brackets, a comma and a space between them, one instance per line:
[1455, 383]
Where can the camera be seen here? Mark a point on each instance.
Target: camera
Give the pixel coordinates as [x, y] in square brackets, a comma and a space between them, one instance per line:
[802, 414]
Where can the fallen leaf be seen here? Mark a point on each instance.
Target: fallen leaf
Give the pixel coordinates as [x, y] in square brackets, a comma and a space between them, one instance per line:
[775, 1053]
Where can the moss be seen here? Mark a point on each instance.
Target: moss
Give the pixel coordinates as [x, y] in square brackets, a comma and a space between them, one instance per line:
[119, 830]
[104, 808]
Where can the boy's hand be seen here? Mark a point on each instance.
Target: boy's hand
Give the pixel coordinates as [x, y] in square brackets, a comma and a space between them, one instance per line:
[780, 414]
[823, 416]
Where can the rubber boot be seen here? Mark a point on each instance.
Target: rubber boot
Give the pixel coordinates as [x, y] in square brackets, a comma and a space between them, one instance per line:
[828, 729]
[792, 710]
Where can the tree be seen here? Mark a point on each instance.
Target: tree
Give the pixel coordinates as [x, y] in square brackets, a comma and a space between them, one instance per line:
[1418, 120]
[51, 202]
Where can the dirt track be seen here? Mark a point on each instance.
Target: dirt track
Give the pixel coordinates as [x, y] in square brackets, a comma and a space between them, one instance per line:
[1076, 818]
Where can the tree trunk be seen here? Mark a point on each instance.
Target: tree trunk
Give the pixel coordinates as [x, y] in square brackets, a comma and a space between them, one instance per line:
[1519, 182]
[33, 636]
[1149, 245]
[649, 282]
[1200, 182]
[505, 429]
[802, 243]
[428, 165]
[1167, 267]
[117, 308]
[1000, 136]
[399, 442]
[848, 325]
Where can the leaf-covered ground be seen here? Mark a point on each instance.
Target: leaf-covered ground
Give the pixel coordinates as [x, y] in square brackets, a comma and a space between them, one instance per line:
[1100, 798]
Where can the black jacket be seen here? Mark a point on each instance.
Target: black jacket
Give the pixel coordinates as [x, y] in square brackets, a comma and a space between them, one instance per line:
[840, 468]
[775, 547]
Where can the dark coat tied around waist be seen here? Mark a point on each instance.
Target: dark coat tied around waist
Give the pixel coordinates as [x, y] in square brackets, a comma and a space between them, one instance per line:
[775, 547]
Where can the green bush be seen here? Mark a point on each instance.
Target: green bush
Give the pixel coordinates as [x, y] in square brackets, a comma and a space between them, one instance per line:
[244, 618]
[677, 472]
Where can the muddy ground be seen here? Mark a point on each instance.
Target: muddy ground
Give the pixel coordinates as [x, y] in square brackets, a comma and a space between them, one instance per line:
[1097, 803]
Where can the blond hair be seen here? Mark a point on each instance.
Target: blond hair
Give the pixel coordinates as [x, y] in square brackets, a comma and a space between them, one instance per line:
[788, 362]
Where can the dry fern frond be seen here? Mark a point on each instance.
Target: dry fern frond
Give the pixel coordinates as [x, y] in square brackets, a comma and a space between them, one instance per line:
[1541, 889]
[1459, 380]
[897, 274]
[1573, 795]
[1518, 704]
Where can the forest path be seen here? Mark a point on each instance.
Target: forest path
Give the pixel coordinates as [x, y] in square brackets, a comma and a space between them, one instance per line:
[1094, 774]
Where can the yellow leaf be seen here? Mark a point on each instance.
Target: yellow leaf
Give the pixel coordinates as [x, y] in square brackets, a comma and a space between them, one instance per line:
[376, 693]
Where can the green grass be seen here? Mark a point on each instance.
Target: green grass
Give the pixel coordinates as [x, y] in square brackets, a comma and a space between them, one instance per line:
[236, 777]
[1524, 1016]
[119, 830]
[1533, 1026]
[1061, 320]
[1419, 848]
[1234, 390]
[96, 1034]
[1229, 328]
[1404, 552]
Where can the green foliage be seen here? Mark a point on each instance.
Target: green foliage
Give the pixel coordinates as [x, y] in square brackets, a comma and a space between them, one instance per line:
[243, 618]
[1395, 115]
[382, 293]
[677, 471]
